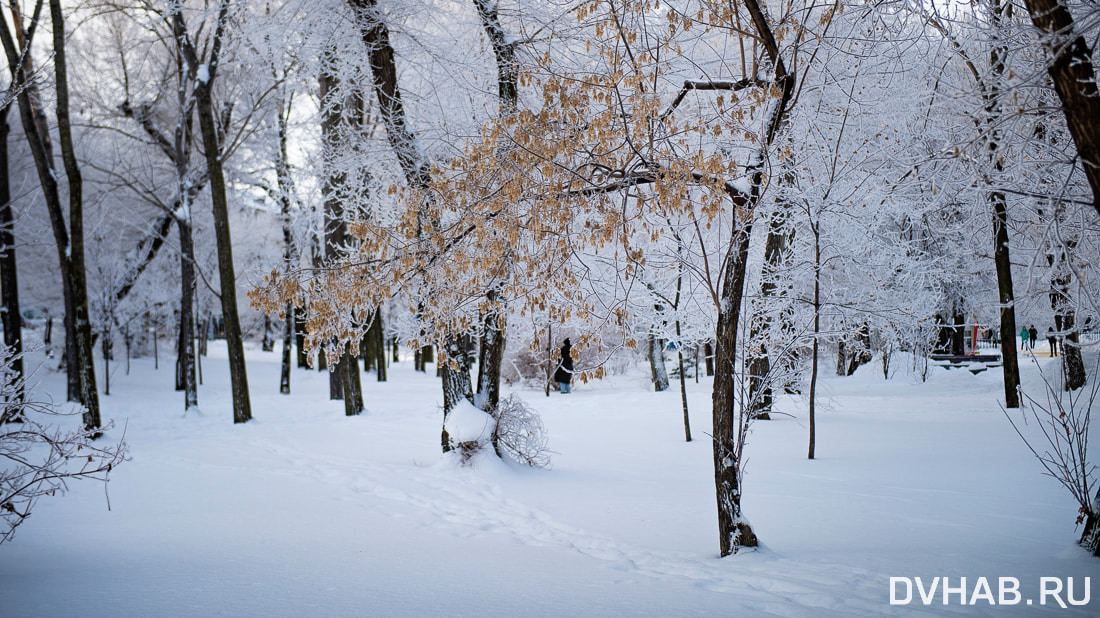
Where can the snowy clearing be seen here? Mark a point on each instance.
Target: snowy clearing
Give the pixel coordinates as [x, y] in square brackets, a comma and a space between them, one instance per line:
[306, 512]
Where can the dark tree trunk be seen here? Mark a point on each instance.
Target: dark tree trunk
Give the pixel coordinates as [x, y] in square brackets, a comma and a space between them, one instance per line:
[365, 351]
[335, 380]
[456, 383]
[683, 385]
[730, 434]
[9, 274]
[1001, 258]
[490, 357]
[733, 531]
[812, 449]
[288, 342]
[1090, 537]
[351, 386]
[1074, 78]
[378, 345]
[344, 379]
[300, 339]
[290, 255]
[70, 241]
[708, 358]
[186, 358]
[958, 330]
[841, 357]
[1009, 361]
[82, 324]
[234, 339]
[268, 342]
[493, 339]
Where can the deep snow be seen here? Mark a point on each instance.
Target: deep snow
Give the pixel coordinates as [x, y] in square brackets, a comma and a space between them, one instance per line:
[305, 512]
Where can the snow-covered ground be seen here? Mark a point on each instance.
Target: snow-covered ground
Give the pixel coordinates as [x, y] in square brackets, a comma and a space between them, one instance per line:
[304, 512]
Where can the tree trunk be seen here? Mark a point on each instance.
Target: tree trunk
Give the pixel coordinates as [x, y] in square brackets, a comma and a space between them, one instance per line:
[817, 336]
[490, 360]
[1009, 361]
[683, 385]
[82, 324]
[657, 370]
[729, 437]
[379, 342]
[1090, 537]
[290, 255]
[300, 339]
[81, 364]
[733, 531]
[775, 250]
[234, 339]
[335, 379]
[1065, 318]
[186, 358]
[863, 355]
[288, 340]
[1074, 78]
[841, 357]
[268, 342]
[1001, 259]
[708, 358]
[351, 386]
[456, 384]
[9, 274]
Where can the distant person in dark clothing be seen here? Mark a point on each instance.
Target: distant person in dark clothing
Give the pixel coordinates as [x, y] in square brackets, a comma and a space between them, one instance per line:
[1032, 336]
[564, 374]
[1053, 341]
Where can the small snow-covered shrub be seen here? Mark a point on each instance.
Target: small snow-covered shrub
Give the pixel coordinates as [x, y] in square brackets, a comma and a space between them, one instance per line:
[520, 433]
[469, 430]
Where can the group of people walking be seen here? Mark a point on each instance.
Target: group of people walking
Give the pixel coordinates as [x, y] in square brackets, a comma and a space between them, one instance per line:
[1028, 337]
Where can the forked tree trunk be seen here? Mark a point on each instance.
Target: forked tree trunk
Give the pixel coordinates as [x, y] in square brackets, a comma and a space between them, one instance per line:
[234, 339]
[69, 240]
[730, 425]
[493, 340]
